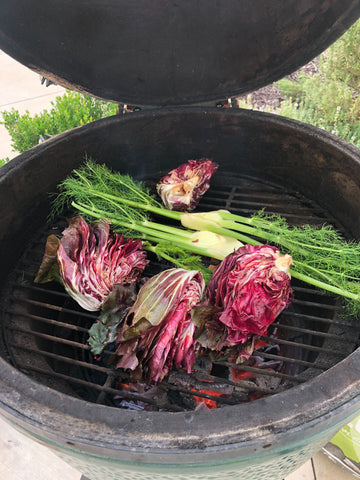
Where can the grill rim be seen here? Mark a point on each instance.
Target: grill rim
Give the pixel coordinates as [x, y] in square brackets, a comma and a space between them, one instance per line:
[92, 428]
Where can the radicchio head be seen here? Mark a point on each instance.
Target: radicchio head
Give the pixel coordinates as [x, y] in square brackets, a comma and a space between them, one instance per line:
[246, 293]
[158, 333]
[182, 188]
[91, 261]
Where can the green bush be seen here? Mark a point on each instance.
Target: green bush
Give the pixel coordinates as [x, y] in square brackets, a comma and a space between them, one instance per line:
[329, 99]
[341, 62]
[327, 104]
[291, 89]
[68, 111]
[3, 161]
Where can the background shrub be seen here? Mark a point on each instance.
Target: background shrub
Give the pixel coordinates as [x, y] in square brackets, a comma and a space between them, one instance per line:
[330, 98]
[68, 111]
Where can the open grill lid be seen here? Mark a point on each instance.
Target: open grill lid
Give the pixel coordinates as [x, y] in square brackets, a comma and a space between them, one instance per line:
[167, 52]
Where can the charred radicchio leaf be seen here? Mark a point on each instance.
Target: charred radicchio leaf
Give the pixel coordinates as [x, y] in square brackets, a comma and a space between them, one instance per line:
[158, 333]
[49, 268]
[182, 188]
[91, 261]
[113, 312]
[249, 289]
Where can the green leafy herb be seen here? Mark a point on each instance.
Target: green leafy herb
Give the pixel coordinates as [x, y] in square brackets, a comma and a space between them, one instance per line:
[97, 192]
[321, 256]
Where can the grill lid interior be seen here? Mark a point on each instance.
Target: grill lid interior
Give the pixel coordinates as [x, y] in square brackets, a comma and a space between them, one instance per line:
[169, 53]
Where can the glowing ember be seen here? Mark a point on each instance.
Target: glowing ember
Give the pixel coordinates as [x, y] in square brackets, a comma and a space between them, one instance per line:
[210, 403]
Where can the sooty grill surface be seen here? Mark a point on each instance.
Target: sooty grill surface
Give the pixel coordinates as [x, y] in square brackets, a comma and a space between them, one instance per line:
[45, 332]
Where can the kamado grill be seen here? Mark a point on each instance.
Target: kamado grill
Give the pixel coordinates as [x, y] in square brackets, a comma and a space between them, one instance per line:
[177, 61]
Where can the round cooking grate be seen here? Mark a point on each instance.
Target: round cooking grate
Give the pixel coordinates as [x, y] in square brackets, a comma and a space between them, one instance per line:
[45, 332]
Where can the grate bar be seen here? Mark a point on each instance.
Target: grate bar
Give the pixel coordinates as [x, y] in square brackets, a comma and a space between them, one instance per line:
[36, 288]
[87, 347]
[61, 358]
[322, 306]
[284, 313]
[109, 390]
[51, 338]
[259, 371]
[294, 361]
[314, 333]
[92, 317]
[268, 203]
[304, 346]
[251, 199]
[57, 308]
[80, 345]
[312, 318]
[50, 321]
[246, 386]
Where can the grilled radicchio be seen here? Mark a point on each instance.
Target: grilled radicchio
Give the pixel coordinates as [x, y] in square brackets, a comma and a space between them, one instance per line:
[249, 289]
[113, 312]
[182, 188]
[91, 261]
[158, 333]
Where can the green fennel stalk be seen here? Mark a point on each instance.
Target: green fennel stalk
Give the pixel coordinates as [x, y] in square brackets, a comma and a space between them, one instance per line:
[171, 244]
[174, 236]
[321, 256]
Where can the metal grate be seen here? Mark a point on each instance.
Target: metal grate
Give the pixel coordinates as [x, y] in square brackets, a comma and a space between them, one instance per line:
[46, 332]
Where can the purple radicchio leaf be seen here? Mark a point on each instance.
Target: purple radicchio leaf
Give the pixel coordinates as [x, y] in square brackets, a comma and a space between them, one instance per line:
[91, 261]
[158, 334]
[182, 188]
[246, 293]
